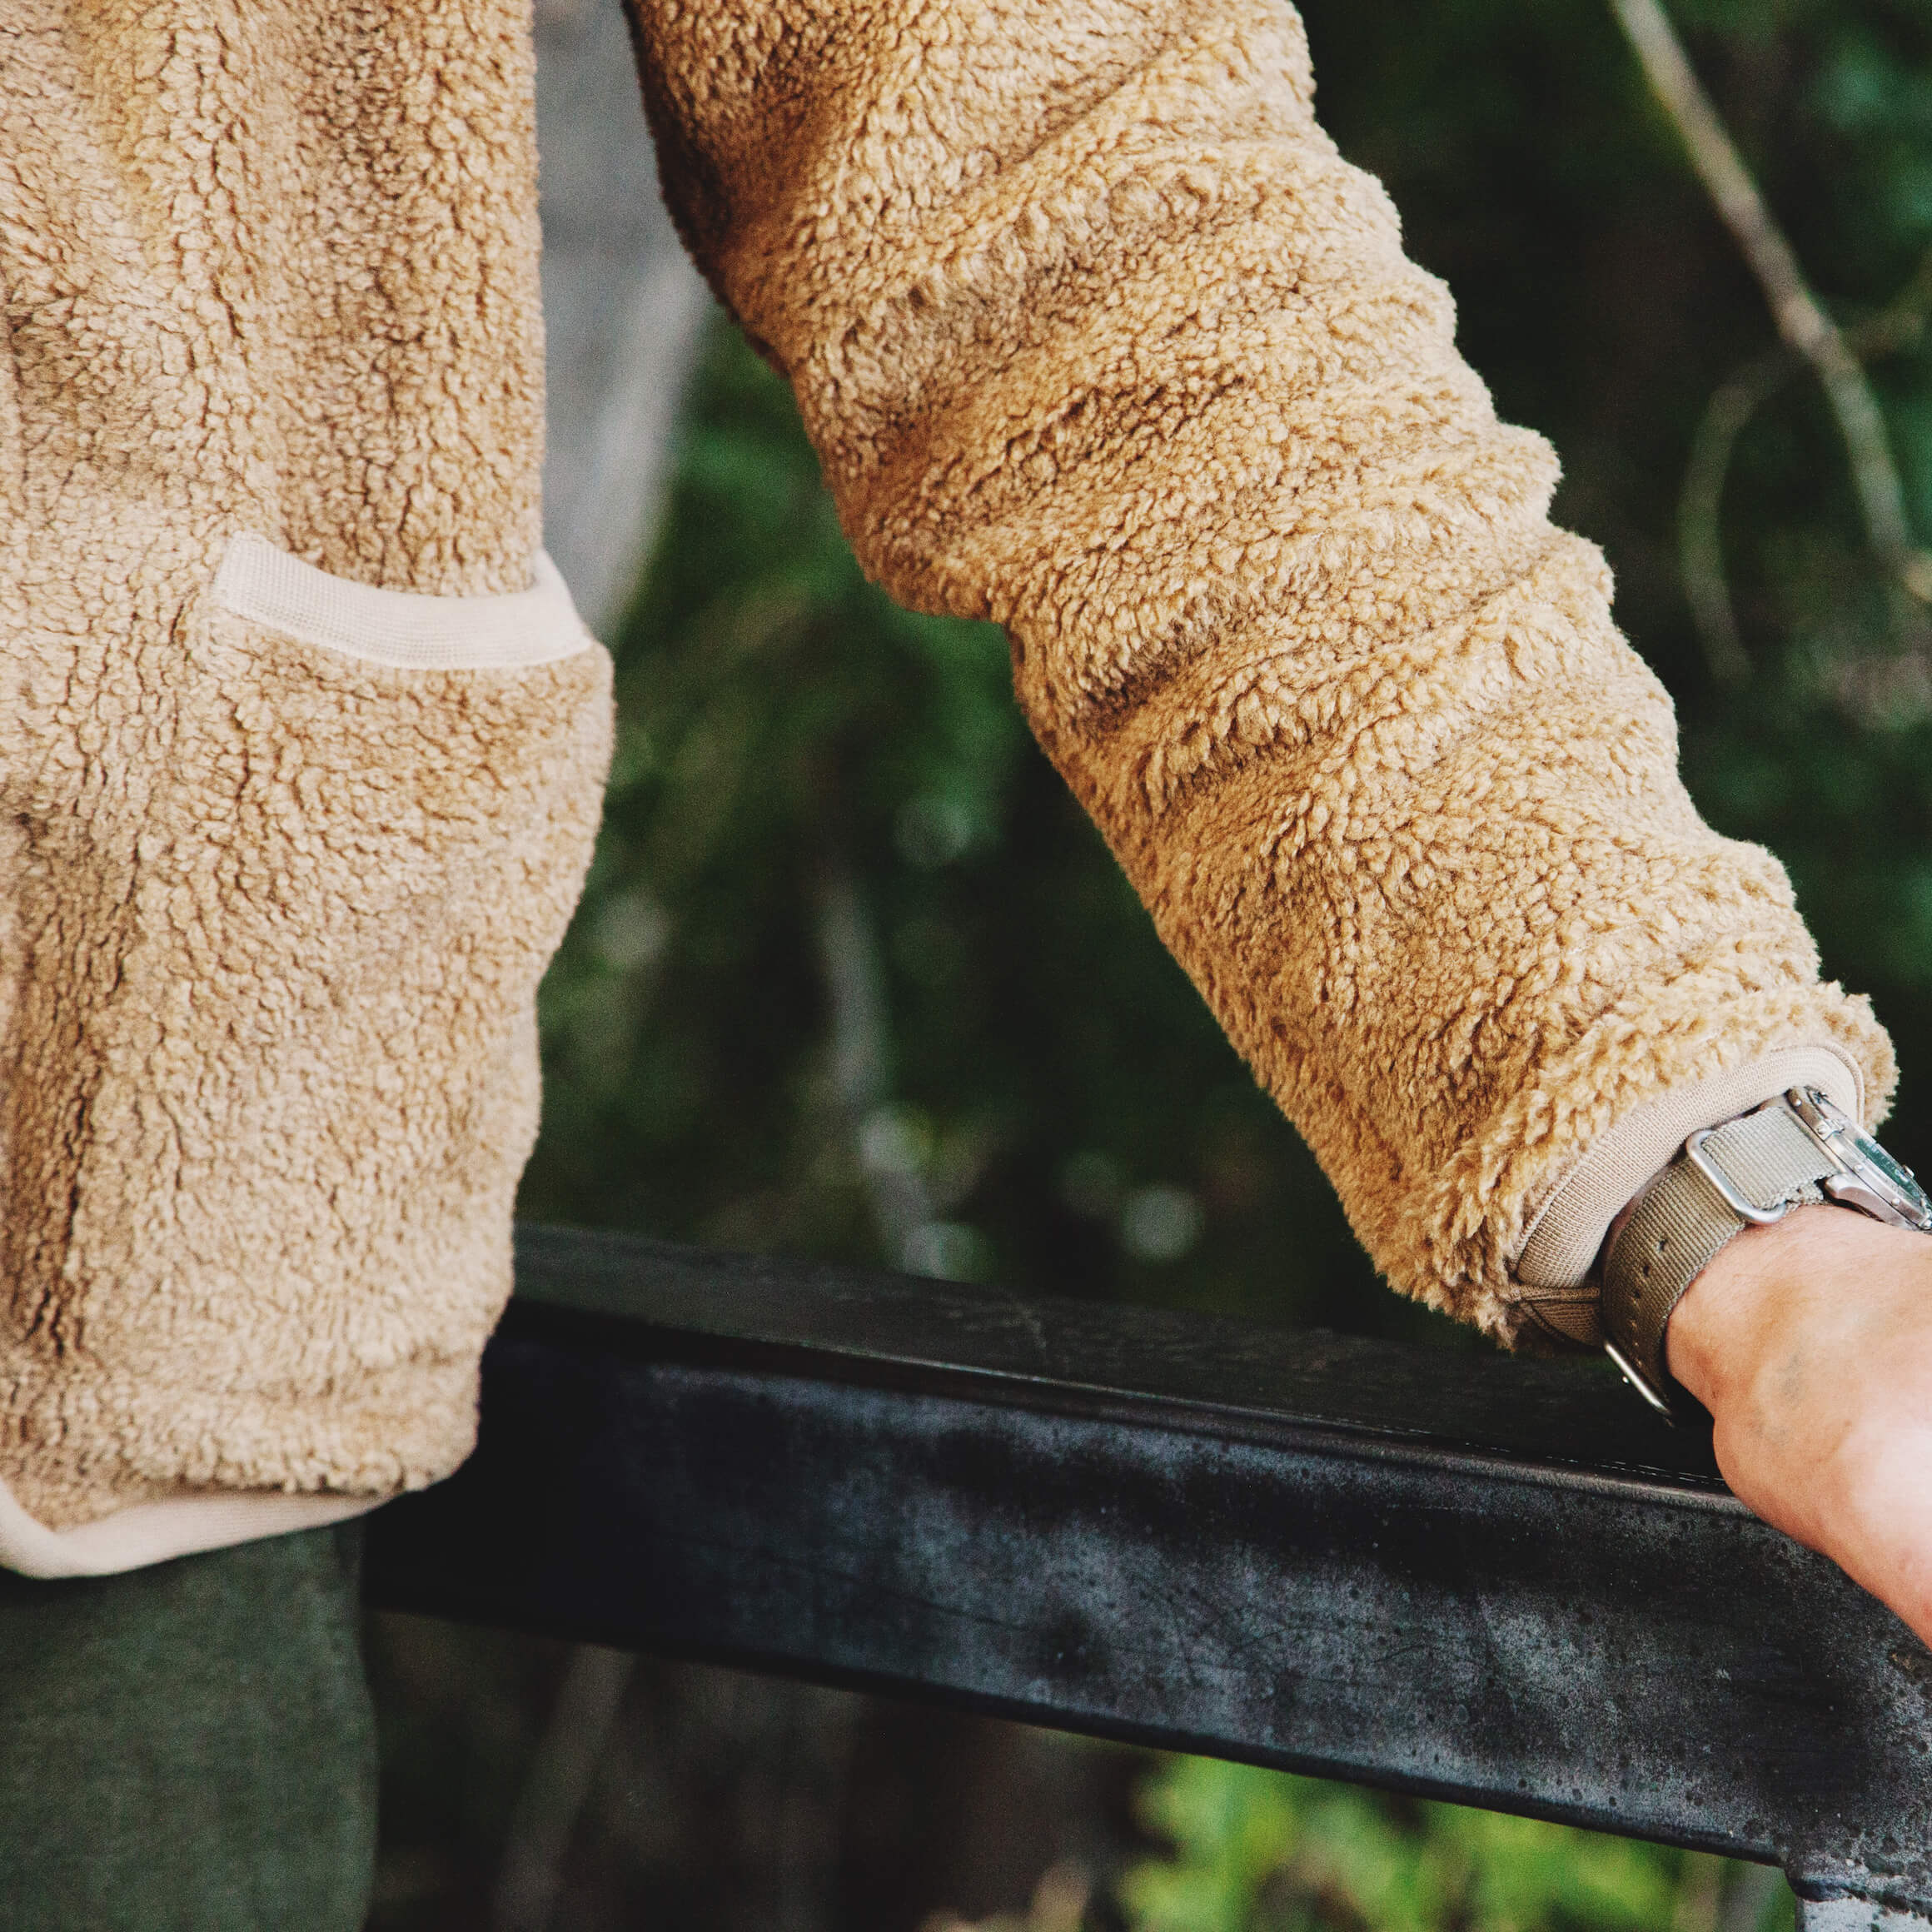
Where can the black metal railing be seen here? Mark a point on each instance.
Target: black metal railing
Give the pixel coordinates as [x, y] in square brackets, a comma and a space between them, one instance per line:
[1494, 1580]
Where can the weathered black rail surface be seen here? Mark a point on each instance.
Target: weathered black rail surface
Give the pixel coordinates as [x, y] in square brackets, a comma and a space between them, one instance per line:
[1494, 1580]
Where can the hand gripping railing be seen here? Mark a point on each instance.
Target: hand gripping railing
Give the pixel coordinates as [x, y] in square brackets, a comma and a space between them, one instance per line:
[1494, 1580]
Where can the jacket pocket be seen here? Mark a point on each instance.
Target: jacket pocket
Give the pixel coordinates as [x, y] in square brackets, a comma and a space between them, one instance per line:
[317, 1079]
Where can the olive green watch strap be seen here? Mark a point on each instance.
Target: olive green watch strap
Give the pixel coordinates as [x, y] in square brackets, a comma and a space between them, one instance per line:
[1749, 1170]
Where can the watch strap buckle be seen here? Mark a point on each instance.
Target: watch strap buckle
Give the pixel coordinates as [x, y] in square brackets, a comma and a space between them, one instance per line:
[1726, 1190]
[1656, 1397]
[1750, 1172]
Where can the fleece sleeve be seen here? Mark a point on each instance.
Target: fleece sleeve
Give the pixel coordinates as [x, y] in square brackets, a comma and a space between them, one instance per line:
[1097, 336]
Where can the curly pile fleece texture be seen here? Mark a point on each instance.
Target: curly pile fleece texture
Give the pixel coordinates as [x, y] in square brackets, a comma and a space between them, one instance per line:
[1096, 336]
[271, 915]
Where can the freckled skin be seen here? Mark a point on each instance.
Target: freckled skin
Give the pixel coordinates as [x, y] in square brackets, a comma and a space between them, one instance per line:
[1810, 1343]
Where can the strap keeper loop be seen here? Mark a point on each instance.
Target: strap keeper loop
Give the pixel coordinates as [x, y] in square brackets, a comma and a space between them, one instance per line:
[1726, 1190]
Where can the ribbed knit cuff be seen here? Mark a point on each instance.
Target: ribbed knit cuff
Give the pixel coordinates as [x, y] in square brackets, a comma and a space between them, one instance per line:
[1563, 1238]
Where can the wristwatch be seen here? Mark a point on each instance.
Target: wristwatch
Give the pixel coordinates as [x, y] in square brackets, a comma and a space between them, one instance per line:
[1747, 1172]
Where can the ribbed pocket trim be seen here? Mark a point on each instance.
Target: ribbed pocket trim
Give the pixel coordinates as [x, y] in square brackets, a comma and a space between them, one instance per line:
[403, 629]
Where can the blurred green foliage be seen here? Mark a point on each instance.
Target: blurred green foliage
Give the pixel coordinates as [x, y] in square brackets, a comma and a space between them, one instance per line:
[1260, 1851]
[854, 977]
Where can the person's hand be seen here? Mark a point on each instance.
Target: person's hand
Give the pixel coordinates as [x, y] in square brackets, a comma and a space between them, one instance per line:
[1810, 1343]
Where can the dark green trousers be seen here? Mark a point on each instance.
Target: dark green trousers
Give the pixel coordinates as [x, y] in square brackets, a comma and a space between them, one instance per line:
[190, 1746]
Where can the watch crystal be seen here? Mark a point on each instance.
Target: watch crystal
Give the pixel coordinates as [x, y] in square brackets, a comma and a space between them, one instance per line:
[1866, 1164]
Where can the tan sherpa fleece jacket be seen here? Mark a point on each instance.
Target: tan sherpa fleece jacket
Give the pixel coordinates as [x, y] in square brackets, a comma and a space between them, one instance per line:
[1096, 336]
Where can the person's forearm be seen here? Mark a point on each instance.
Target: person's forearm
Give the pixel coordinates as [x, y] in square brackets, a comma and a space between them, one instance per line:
[1097, 335]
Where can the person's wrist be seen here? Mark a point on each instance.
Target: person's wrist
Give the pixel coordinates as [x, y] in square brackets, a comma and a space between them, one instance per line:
[1787, 1318]
[1810, 1343]
[1736, 1310]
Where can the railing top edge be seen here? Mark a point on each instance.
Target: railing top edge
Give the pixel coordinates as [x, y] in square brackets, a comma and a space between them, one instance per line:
[1565, 1420]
